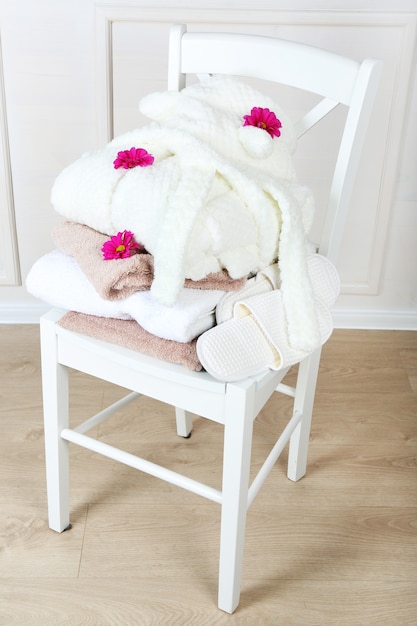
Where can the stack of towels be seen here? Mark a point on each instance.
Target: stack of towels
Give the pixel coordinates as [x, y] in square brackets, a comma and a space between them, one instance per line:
[101, 295]
[220, 202]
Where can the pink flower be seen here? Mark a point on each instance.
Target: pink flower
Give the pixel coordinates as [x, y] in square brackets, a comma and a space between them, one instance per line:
[263, 118]
[121, 246]
[133, 157]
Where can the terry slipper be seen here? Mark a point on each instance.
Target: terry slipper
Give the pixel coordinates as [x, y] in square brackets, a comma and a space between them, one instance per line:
[323, 275]
[265, 280]
[255, 340]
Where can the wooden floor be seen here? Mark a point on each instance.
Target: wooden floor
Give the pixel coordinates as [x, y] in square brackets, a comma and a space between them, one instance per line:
[337, 548]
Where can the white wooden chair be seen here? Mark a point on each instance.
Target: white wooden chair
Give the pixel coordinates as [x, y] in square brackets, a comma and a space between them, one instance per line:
[338, 80]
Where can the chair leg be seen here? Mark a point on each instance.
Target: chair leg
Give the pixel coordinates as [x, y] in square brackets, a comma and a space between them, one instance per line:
[236, 467]
[56, 417]
[304, 402]
[184, 422]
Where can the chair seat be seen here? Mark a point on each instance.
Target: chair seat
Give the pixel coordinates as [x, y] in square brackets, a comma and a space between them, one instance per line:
[143, 374]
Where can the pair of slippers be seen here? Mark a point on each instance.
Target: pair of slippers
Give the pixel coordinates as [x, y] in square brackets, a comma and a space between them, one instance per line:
[251, 333]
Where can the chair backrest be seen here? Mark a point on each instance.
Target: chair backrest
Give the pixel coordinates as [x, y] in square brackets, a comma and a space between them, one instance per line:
[337, 79]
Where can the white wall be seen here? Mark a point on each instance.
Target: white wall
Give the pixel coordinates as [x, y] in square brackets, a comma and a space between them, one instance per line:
[54, 55]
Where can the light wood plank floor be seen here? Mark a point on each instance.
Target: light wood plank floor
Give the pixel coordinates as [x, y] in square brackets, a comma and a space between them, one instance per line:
[337, 548]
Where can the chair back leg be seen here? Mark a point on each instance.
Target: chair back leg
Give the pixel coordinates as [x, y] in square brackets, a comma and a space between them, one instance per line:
[184, 422]
[305, 391]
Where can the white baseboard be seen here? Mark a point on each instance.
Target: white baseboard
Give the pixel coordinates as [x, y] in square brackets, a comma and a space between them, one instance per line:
[22, 315]
[375, 320]
[349, 318]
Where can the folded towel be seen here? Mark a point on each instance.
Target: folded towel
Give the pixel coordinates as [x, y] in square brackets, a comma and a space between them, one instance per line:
[192, 314]
[130, 335]
[116, 279]
[57, 279]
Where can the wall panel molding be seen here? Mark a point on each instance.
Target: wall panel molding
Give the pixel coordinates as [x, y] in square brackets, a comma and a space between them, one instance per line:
[9, 257]
[376, 192]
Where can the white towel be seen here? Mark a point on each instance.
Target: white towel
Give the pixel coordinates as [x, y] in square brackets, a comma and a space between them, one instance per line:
[57, 279]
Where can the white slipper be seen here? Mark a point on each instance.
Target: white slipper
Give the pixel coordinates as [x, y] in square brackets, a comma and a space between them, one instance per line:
[234, 350]
[265, 280]
[324, 278]
[255, 340]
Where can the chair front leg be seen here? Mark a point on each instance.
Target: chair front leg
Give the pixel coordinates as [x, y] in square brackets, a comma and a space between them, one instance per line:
[56, 417]
[236, 467]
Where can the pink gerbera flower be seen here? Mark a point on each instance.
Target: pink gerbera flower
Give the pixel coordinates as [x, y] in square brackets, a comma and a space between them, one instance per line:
[121, 246]
[133, 157]
[265, 119]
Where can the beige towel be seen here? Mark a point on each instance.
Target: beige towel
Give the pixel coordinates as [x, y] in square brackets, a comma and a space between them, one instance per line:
[117, 279]
[129, 334]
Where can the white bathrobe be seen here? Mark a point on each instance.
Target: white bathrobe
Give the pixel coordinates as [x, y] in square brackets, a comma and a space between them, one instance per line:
[219, 195]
